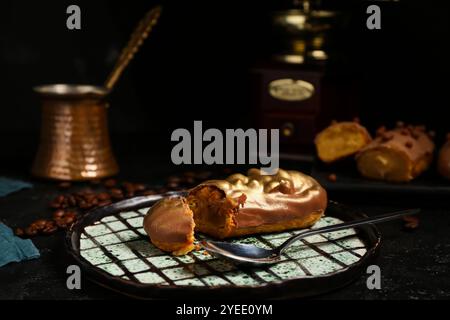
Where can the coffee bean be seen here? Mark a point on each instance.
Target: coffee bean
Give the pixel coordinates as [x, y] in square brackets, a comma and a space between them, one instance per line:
[139, 187]
[61, 223]
[190, 181]
[116, 194]
[69, 220]
[84, 205]
[104, 203]
[174, 179]
[57, 202]
[70, 214]
[90, 197]
[30, 231]
[432, 134]
[39, 224]
[173, 185]
[333, 122]
[103, 196]
[148, 193]
[162, 190]
[65, 185]
[58, 214]
[50, 228]
[381, 131]
[71, 200]
[387, 136]
[400, 124]
[110, 183]
[411, 222]
[357, 120]
[19, 232]
[332, 177]
[128, 185]
[415, 135]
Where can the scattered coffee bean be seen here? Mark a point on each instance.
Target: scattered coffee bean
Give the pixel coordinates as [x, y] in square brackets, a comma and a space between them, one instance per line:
[57, 202]
[404, 132]
[148, 193]
[400, 124]
[116, 194]
[332, 177]
[381, 131]
[50, 228]
[411, 222]
[432, 134]
[19, 232]
[139, 187]
[65, 185]
[357, 120]
[58, 214]
[69, 220]
[173, 185]
[387, 136]
[71, 214]
[104, 203]
[72, 201]
[30, 231]
[61, 223]
[39, 224]
[174, 179]
[84, 205]
[333, 122]
[103, 196]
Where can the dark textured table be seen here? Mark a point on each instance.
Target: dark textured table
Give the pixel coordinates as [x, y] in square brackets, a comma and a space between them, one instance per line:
[414, 264]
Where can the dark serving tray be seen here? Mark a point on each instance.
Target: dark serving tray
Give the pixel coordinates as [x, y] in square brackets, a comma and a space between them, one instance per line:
[349, 180]
[114, 251]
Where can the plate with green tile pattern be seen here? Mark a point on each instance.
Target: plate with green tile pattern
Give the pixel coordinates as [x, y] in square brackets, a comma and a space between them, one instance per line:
[113, 249]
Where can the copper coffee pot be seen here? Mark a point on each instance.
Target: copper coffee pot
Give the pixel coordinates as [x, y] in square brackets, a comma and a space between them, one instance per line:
[74, 143]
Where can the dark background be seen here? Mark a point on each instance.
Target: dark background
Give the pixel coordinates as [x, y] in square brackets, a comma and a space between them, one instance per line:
[196, 64]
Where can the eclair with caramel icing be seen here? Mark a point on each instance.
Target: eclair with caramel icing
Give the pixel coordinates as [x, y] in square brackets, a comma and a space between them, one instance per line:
[244, 205]
[398, 155]
[170, 226]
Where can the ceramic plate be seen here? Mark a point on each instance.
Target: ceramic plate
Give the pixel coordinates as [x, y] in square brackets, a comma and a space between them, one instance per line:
[113, 249]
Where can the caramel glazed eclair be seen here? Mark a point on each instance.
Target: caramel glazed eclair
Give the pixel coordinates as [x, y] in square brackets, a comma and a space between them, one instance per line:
[245, 205]
[240, 205]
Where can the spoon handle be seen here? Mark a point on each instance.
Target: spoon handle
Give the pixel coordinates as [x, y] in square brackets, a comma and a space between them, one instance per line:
[141, 33]
[347, 225]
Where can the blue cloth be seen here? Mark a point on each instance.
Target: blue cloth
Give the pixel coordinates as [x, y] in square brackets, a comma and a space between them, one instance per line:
[8, 186]
[14, 249]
